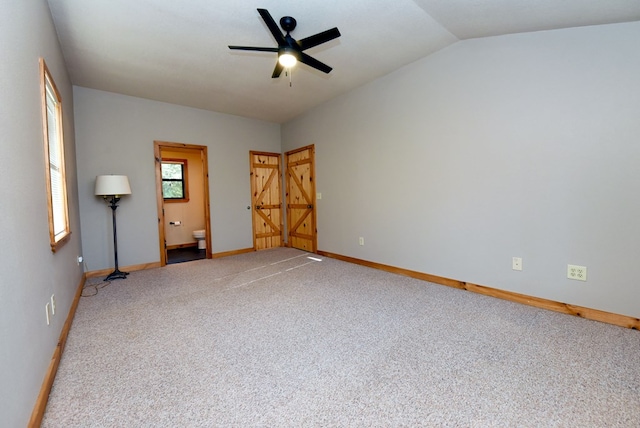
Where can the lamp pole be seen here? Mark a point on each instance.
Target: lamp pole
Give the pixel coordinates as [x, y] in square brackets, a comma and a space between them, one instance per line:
[116, 274]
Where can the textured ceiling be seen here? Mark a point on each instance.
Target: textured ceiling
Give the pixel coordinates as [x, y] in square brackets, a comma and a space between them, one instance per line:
[176, 51]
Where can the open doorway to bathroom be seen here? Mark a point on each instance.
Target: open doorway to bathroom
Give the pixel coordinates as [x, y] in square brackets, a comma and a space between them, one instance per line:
[182, 193]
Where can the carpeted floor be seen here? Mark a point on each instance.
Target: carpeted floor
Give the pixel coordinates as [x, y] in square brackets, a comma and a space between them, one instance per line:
[276, 339]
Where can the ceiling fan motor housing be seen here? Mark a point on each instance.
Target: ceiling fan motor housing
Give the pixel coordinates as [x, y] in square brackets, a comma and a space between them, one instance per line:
[288, 23]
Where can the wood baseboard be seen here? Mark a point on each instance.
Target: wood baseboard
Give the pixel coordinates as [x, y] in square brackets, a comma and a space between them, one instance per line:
[232, 253]
[153, 265]
[188, 245]
[43, 397]
[132, 268]
[565, 308]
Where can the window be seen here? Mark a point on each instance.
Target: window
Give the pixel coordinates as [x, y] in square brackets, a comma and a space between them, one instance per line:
[59, 231]
[174, 180]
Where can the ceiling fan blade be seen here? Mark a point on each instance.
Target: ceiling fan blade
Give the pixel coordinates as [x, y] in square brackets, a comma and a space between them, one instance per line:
[318, 39]
[312, 62]
[273, 27]
[278, 70]
[253, 48]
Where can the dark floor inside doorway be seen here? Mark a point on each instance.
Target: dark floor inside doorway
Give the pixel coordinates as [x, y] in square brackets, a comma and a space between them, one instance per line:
[180, 255]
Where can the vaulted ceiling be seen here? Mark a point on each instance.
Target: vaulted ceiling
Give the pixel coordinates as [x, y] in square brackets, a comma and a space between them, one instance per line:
[177, 51]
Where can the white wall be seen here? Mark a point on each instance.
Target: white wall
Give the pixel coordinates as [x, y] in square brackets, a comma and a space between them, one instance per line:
[115, 135]
[521, 145]
[31, 273]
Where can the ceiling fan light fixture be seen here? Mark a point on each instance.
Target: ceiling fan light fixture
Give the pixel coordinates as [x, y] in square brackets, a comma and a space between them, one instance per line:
[287, 59]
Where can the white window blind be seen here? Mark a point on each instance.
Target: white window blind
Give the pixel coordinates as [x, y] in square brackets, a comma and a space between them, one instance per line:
[55, 166]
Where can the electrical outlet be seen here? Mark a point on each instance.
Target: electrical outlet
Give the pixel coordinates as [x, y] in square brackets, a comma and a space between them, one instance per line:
[361, 241]
[46, 309]
[79, 260]
[53, 304]
[516, 263]
[578, 273]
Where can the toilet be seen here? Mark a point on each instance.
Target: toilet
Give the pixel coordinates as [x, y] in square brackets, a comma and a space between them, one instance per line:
[201, 236]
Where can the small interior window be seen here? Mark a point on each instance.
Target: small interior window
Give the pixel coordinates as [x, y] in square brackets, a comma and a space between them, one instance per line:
[174, 180]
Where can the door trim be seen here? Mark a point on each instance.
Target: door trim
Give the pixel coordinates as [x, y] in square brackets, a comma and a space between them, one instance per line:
[157, 153]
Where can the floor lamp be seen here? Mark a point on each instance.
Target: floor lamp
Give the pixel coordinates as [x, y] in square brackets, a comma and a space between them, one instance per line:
[111, 188]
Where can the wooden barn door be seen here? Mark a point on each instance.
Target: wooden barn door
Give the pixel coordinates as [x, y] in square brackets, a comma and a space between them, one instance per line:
[266, 200]
[301, 195]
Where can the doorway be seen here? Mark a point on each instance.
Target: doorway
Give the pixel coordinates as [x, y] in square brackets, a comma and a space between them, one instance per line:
[182, 194]
[266, 199]
[301, 195]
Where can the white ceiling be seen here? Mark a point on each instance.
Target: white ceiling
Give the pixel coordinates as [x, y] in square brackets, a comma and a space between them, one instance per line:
[177, 51]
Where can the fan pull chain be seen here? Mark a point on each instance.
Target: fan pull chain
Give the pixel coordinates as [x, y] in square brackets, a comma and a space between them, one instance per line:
[288, 72]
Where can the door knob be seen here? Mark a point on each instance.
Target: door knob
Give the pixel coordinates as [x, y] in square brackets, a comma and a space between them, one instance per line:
[309, 206]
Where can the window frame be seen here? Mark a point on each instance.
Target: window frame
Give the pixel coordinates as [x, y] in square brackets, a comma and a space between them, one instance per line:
[61, 234]
[185, 179]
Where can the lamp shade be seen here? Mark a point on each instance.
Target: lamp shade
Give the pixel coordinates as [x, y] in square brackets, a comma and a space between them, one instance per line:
[108, 185]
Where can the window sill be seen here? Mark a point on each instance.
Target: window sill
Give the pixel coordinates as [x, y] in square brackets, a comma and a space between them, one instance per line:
[55, 246]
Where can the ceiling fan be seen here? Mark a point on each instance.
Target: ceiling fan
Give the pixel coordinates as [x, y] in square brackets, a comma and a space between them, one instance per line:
[290, 50]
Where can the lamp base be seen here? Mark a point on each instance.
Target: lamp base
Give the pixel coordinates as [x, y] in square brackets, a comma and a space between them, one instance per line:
[116, 274]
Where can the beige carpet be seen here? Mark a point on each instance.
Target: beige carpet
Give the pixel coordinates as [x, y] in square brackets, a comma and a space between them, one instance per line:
[276, 339]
